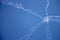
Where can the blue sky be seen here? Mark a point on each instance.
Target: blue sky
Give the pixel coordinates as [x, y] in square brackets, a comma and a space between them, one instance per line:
[15, 23]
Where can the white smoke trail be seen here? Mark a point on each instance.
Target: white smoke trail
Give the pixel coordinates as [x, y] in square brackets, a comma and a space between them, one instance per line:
[10, 3]
[28, 35]
[19, 6]
[48, 33]
[29, 11]
[46, 8]
[54, 16]
[55, 19]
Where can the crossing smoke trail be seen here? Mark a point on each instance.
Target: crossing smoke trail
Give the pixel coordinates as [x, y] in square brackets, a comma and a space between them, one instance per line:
[28, 35]
[48, 33]
[19, 6]
[46, 19]
[46, 8]
[10, 3]
[55, 19]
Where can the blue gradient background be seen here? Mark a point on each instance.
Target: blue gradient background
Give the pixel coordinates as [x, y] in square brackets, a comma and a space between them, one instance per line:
[15, 23]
